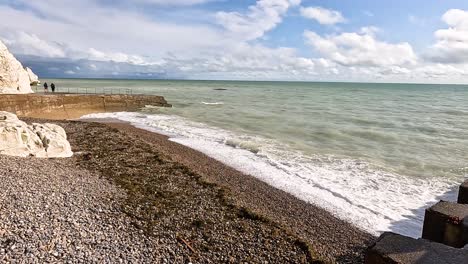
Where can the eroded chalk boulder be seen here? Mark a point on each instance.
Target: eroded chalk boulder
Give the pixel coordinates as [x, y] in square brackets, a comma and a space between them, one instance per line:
[14, 79]
[54, 140]
[40, 140]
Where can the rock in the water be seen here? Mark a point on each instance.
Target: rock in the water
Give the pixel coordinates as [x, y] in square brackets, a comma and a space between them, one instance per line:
[14, 79]
[463, 193]
[39, 140]
[33, 78]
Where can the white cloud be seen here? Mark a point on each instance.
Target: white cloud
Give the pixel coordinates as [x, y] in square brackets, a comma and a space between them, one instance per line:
[172, 2]
[101, 34]
[322, 15]
[31, 44]
[452, 43]
[438, 70]
[261, 18]
[97, 55]
[97, 38]
[84, 24]
[361, 49]
[244, 61]
[456, 18]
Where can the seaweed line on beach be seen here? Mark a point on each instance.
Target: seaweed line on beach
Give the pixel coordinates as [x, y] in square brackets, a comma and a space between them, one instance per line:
[331, 238]
[168, 200]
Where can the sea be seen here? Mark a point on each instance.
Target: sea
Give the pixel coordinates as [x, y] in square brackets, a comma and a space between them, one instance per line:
[374, 155]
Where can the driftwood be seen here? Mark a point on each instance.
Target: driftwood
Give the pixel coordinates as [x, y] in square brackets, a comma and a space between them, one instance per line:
[187, 244]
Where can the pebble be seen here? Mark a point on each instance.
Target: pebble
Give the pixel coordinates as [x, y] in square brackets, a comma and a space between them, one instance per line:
[80, 214]
[52, 206]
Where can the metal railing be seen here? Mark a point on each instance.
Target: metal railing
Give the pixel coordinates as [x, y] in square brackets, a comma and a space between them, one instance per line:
[76, 90]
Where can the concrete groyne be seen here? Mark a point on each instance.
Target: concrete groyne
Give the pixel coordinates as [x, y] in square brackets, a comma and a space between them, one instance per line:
[72, 106]
[444, 238]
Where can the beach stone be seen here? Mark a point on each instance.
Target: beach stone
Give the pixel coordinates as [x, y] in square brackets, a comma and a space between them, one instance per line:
[14, 79]
[463, 193]
[447, 223]
[394, 248]
[40, 140]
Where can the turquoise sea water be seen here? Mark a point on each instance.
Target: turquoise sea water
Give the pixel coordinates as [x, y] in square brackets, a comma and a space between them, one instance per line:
[373, 154]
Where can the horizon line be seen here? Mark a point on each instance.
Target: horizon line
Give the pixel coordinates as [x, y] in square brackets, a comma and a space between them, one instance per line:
[245, 80]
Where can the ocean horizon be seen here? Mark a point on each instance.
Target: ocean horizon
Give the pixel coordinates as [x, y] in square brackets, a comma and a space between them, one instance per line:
[245, 80]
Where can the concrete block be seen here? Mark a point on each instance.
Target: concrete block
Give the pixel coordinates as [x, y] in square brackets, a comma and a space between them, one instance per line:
[394, 248]
[463, 193]
[446, 223]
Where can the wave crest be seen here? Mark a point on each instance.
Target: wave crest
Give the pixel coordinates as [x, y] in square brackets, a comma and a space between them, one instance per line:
[215, 103]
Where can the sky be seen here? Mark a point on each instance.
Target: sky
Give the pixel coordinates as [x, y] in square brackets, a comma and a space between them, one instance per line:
[424, 41]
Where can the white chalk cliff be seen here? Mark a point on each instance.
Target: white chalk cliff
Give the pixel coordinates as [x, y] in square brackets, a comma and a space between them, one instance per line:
[39, 140]
[33, 78]
[14, 79]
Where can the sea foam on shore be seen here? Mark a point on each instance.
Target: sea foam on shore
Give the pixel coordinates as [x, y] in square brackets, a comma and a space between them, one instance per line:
[373, 200]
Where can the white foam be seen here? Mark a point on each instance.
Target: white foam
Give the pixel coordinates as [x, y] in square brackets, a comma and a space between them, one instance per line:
[371, 199]
[216, 103]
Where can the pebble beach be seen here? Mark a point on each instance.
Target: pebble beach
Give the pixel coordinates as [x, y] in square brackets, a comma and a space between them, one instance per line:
[213, 131]
[132, 196]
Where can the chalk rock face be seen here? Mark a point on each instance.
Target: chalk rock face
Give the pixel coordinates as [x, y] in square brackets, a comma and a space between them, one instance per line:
[39, 140]
[33, 78]
[54, 140]
[14, 79]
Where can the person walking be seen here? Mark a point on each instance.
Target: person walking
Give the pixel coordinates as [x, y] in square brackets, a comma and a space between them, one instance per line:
[52, 87]
[46, 88]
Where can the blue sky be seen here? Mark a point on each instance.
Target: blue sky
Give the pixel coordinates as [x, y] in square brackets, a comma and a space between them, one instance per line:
[308, 40]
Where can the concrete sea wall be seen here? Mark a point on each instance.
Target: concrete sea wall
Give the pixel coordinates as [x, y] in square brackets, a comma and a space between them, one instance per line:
[72, 106]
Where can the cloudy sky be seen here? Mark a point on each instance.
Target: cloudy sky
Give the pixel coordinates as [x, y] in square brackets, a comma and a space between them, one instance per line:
[326, 40]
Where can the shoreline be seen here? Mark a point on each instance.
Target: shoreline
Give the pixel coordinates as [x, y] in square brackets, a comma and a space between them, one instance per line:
[330, 236]
[202, 209]
[120, 199]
